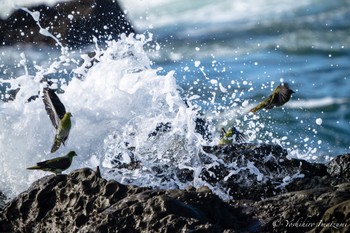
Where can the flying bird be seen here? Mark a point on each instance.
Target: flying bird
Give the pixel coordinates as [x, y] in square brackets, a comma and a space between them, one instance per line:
[56, 165]
[228, 136]
[279, 96]
[58, 116]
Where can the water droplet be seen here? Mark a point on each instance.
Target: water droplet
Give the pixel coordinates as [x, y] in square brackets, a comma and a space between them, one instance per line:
[319, 121]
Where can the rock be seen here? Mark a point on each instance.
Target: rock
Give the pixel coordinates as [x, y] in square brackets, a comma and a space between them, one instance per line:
[173, 211]
[81, 201]
[335, 218]
[340, 167]
[263, 170]
[304, 210]
[75, 22]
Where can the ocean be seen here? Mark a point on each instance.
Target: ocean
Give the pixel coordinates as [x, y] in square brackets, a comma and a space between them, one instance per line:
[209, 59]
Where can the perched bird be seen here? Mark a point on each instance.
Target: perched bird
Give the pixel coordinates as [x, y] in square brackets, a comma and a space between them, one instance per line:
[279, 96]
[228, 136]
[59, 117]
[56, 165]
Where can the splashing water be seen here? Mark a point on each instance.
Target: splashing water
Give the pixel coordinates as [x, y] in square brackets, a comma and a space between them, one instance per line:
[118, 103]
[129, 118]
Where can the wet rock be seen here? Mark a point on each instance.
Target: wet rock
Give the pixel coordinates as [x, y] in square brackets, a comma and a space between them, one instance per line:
[202, 127]
[60, 202]
[305, 210]
[173, 211]
[74, 22]
[340, 167]
[262, 170]
[336, 218]
[81, 201]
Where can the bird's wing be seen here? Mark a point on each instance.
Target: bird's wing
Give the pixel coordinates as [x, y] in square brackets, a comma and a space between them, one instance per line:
[240, 137]
[56, 163]
[54, 107]
[284, 93]
[222, 133]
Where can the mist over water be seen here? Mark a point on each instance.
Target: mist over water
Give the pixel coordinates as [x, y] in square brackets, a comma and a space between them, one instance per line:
[221, 64]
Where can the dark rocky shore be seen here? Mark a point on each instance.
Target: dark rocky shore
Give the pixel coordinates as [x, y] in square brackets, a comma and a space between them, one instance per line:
[74, 22]
[318, 200]
[281, 195]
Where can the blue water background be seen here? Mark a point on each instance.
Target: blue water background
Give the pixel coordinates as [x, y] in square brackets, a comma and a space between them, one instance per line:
[307, 46]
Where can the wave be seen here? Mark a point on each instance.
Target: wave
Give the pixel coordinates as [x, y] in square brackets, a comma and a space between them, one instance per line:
[155, 14]
[124, 114]
[317, 103]
[226, 27]
[122, 103]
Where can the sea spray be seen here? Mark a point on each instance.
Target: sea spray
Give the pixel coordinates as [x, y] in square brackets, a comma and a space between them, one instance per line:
[130, 120]
[117, 104]
[127, 119]
[129, 99]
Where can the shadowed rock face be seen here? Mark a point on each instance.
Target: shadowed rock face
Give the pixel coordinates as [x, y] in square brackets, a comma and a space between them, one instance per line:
[340, 167]
[84, 202]
[317, 203]
[76, 22]
[304, 210]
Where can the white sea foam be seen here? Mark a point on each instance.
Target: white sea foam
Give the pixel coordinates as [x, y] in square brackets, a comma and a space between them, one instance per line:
[116, 104]
[118, 100]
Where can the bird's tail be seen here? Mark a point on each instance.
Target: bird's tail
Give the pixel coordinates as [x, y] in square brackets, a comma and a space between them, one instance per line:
[56, 145]
[34, 168]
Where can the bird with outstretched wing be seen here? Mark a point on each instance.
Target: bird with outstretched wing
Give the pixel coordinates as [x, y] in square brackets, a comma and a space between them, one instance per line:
[58, 116]
[231, 134]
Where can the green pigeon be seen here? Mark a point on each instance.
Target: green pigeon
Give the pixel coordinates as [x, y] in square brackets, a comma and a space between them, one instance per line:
[279, 96]
[228, 136]
[59, 117]
[56, 165]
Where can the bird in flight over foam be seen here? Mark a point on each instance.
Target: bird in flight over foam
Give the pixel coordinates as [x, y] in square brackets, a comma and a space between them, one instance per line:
[58, 116]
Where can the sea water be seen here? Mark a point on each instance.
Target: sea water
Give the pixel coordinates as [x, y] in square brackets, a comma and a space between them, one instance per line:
[216, 67]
